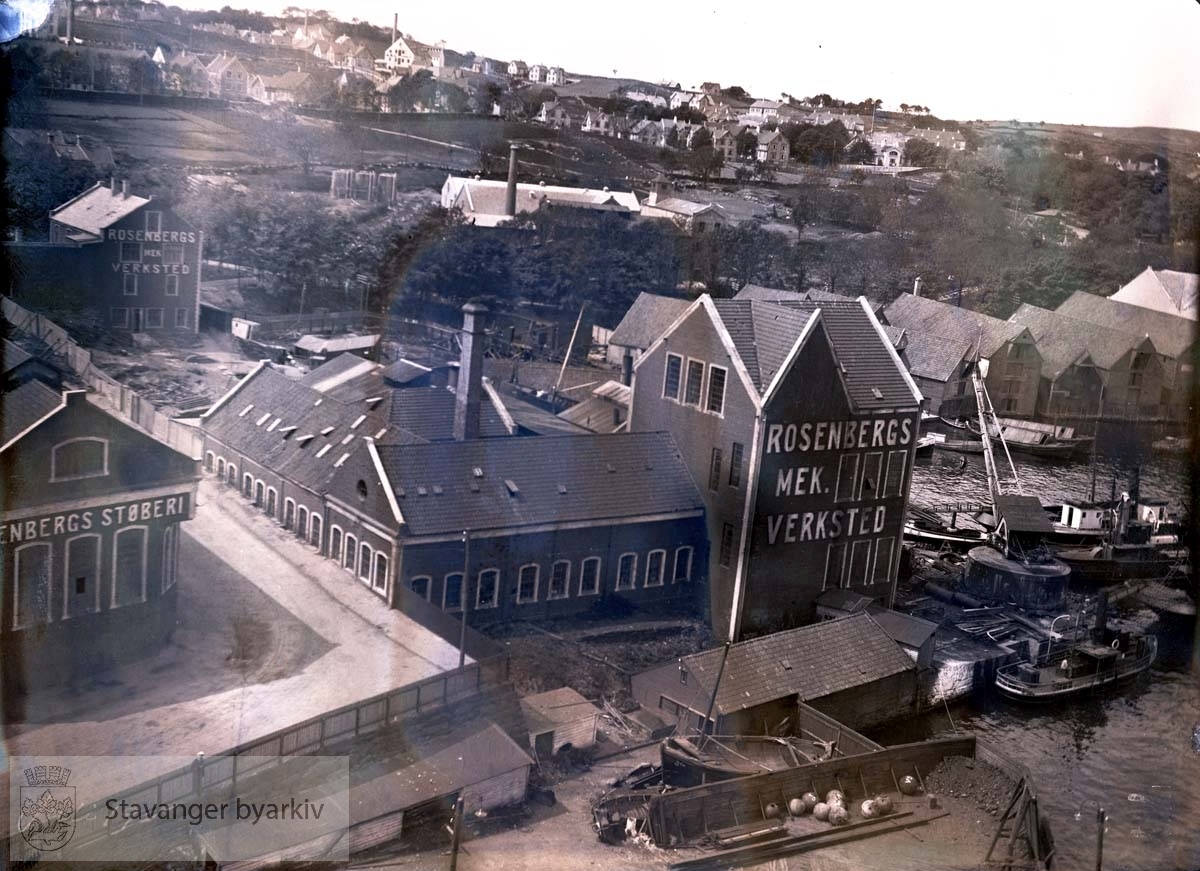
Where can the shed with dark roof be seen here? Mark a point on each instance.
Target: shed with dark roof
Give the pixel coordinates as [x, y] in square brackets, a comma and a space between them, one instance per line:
[848, 668]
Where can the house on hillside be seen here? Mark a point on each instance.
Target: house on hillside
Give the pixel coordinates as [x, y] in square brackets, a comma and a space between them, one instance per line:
[406, 53]
[228, 77]
[292, 88]
[555, 76]
[1014, 365]
[517, 69]
[772, 148]
[1163, 290]
[560, 115]
[725, 142]
[537, 73]
[951, 140]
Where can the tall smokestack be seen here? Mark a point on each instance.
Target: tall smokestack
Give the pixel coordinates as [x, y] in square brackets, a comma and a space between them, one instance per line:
[627, 368]
[469, 395]
[510, 200]
[70, 22]
[395, 25]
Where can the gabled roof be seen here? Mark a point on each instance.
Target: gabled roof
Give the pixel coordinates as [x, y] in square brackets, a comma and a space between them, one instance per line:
[563, 705]
[1172, 335]
[96, 209]
[337, 370]
[1163, 290]
[13, 355]
[595, 414]
[541, 480]
[811, 662]
[932, 356]
[404, 372]
[428, 412]
[483, 200]
[22, 408]
[764, 334]
[933, 316]
[295, 430]
[1064, 341]
[902, 628]
[646, 320]
[683, 208]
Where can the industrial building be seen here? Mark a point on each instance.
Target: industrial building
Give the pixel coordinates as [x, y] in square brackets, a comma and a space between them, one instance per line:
[798, 421]
[90, 534]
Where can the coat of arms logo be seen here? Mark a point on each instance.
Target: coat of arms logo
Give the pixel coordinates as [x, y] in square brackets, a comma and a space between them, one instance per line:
[47, 807]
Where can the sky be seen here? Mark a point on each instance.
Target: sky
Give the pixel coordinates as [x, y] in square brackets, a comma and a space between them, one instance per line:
[1097, 62]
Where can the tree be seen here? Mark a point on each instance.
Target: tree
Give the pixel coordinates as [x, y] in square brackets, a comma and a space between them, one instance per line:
[747, 144]
[859, 151]
[735, 91]
[705, 161]
[918, 152]
[702, 138]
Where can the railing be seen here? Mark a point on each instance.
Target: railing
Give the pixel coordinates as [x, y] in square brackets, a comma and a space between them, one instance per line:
[1007, 678]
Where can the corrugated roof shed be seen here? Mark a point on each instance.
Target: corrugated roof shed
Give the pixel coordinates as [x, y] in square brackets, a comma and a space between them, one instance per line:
[594, 414]
[563, 705]
[811, 662]
[1023, 513]
[473, 755]
[933, 316]
[646, 320]
[25, 406]
[1172, 335]
[538, 480]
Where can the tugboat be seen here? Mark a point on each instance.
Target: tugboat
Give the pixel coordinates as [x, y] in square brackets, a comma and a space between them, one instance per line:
[1093, 658]
[1129, 551]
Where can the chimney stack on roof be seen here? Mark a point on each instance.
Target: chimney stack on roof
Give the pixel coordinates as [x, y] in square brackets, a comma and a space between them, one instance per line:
[917, 286]
[468, 397]
[510, 199]
[112, 185]
[125, 189]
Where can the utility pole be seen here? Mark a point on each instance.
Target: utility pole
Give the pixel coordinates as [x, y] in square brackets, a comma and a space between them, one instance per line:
[456, 835]
[462, 599]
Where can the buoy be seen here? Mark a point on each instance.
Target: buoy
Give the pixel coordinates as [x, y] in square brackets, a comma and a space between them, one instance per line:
[810, 800]
[835, 796]
[839, 816]
[908, 785]
[869, 810]
[772, 810]
[797, 807]
[821, 811]
[883, 803]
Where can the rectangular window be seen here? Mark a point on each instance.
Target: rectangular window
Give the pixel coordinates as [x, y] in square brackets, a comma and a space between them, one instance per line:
[172, 254]
[131, 252]
[847, 472]
[695, 376]
[716, 390]
[735, 465]
[835, 559]
[171, 288]
[894, 484]
[129, 285]
[626, 571]
[487, 594]
[589, 576]
[725, 557]
[154, 318]
[119, 317]
[560, 580]
[860, 563]
[872, 474]
[883, 560]
[714, 470]
[153, 222]
[683, 565]
[655, 563]
[183, 318]
[672, 375]
[527, 584]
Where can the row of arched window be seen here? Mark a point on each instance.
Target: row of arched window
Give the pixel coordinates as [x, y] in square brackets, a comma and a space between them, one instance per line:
[44, 592]
[360, 559]
[565, 579]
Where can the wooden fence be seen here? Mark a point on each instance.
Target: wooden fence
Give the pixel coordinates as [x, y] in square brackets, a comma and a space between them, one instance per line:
[123, 401]
[310, 737]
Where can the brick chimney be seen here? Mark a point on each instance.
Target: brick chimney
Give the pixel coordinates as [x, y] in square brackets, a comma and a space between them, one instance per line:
[469, 393]
[112, 185]
[125, 189]
[510, 198]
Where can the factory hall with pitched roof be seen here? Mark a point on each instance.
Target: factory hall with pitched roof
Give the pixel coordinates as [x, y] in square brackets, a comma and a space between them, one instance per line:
[798, 422]
[434, 492]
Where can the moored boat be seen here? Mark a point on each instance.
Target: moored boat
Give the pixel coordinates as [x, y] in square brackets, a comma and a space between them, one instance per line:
[1065, 668]
[926, 529]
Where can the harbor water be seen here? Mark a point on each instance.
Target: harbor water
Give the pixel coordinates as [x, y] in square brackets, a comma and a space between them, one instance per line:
[1132, 750]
